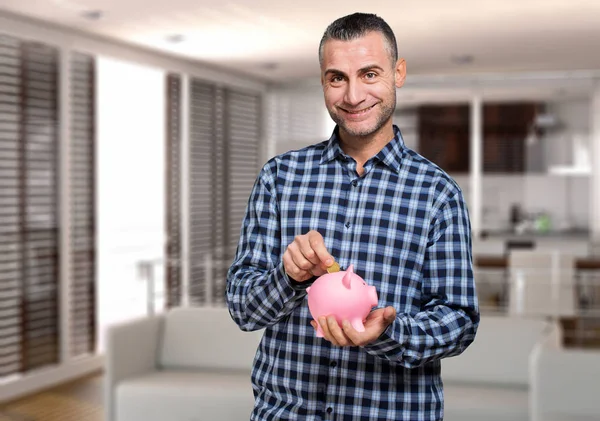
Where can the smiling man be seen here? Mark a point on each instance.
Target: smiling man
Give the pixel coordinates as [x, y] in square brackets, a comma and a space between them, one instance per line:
[364, 198]
[359, 78]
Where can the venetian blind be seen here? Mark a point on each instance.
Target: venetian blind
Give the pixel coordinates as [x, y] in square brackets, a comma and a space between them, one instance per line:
[29, 229]
[225, 132]
[173, 191]
[202, 175]
[82, 200]
[244, 135]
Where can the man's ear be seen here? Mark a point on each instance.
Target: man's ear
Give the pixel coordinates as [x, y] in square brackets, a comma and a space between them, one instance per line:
[400, 72]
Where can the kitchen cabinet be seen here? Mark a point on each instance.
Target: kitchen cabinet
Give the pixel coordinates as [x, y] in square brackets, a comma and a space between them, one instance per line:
[444, 136]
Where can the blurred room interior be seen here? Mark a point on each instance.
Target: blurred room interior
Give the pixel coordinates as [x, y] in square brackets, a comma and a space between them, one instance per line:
[131, 133]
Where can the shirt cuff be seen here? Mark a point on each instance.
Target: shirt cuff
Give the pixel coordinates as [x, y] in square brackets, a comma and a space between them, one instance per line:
[301, 286]
[289, 284]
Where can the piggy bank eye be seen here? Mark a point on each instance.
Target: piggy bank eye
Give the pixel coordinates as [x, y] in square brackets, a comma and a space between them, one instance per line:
[364, 283]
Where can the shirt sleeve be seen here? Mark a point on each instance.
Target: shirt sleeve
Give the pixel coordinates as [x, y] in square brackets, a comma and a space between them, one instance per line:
[259, 292]
[449, 318]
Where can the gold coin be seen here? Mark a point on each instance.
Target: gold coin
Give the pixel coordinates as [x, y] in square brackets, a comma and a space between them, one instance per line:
[333, 268]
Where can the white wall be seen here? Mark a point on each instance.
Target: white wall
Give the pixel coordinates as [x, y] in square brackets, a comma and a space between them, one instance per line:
[298, 118]
[564, 198]
[574, 119]
[131, 184]
[594, 191]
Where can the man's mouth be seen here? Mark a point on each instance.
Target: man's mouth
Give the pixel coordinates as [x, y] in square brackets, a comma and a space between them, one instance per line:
[356, 113]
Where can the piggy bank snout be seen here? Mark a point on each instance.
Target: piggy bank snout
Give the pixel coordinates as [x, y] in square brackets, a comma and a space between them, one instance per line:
[372, 293]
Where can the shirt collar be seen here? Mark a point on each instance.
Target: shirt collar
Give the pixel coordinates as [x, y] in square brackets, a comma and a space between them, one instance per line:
[391, 154]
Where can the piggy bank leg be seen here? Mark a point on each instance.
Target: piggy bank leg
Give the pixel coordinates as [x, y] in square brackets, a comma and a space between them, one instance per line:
[357, 324]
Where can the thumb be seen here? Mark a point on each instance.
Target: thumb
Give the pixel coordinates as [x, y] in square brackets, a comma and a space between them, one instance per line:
[389, 314]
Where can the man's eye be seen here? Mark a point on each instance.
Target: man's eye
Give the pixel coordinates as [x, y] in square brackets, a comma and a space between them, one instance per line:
[370, 75]
[336, 79]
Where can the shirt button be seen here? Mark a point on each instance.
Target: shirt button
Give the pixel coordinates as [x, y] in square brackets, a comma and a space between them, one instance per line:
[329, 410]
[333, 364]
[347, 224]
[354, 183]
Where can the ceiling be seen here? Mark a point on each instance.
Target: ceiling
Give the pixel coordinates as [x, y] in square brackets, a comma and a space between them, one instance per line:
[277, 40]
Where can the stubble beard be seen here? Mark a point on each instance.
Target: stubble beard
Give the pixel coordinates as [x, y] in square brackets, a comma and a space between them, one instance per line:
[385, 114]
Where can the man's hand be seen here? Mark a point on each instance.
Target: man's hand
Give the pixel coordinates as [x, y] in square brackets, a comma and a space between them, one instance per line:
[306, 257]
[377, 322]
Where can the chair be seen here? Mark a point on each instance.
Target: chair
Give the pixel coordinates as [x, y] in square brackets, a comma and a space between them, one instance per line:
[542, 284]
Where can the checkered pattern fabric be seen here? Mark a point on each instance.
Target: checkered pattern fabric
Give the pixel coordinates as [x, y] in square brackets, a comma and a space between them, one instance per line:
[404, 226]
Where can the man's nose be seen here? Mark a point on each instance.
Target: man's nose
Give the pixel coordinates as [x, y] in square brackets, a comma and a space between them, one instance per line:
[354, 93]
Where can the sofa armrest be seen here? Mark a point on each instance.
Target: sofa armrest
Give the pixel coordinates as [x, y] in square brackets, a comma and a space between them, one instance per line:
[564, 382]
[131, 350]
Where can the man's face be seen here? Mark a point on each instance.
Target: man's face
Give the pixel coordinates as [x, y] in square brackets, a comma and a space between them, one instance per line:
[359, 83]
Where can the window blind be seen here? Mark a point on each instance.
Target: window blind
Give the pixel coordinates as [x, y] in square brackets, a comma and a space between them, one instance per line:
[173, 268]
[83, 204]
[29, 229]
[244, 130]
[11, 208]
[203, 195]
[224, 148]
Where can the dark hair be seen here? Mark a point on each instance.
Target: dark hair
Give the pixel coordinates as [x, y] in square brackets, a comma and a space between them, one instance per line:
[358, 25]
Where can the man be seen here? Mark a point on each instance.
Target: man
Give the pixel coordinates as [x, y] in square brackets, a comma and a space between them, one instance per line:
[361, 198]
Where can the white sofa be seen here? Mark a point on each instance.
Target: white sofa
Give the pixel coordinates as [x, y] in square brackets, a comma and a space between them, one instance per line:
[490, 379]
[195, 364]
[565, 383]
[189, 364]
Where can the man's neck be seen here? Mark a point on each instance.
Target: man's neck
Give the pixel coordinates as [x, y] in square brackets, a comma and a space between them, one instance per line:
[363, 148]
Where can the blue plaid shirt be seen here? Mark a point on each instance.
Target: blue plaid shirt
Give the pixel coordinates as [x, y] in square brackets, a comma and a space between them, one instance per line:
[404, 225]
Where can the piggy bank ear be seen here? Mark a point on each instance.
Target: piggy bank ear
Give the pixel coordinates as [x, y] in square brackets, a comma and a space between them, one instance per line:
[347, 279]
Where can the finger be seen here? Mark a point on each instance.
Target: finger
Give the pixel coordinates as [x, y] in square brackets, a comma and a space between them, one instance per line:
[389, 315]
[298, 257]
[292, 270]
[307, 251]
[318, 245]
[325, 329]
[318, 271]
[336, 332]
[356, 337]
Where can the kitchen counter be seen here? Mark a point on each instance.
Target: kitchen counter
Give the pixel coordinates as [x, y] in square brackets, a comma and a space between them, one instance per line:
[501, 262]
[576, 242]
[574, 234]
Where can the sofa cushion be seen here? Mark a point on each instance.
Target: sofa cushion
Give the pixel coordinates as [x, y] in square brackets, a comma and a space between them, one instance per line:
[490, 403]
[500, 353]
[206, 338]
[185, 396]
[565, 383]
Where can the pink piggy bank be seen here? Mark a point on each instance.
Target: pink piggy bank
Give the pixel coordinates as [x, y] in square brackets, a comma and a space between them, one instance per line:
[344, 295]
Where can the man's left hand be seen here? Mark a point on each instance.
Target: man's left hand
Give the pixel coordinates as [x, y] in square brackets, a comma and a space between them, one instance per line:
[377, 322]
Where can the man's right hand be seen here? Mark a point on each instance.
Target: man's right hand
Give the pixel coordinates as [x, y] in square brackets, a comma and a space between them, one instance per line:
[306, 257]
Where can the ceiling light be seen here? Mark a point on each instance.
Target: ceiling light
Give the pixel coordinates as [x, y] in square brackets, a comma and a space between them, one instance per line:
[92, 14]
[175, 38]
[269, 65]
[462, 59]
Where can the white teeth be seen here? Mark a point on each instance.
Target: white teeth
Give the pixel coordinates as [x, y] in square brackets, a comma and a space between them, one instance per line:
[360, 111]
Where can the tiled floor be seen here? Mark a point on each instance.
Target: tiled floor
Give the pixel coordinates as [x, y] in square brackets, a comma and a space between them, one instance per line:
[77, 401]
